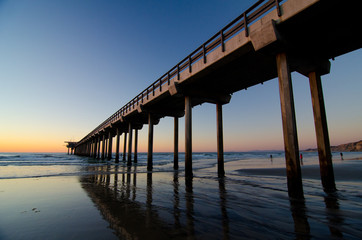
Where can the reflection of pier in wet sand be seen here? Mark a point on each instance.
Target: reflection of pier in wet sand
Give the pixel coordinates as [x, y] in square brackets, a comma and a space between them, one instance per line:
[164, 205]
[115, 194]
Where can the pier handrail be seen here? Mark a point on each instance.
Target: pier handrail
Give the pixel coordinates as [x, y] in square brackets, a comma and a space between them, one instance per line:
[253, 13]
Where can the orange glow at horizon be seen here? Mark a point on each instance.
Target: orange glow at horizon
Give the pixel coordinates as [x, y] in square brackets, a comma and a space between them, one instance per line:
[32, 145]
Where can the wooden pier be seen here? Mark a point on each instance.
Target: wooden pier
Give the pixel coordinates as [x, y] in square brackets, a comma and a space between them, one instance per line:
[271, 39]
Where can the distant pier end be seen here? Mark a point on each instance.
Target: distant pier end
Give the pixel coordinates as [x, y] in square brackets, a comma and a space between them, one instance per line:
[70, 146]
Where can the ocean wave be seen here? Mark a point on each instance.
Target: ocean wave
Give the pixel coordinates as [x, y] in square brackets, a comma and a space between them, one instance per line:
[9, 156]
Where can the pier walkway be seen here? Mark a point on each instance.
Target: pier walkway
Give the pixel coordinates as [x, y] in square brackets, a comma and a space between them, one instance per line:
[271, 39]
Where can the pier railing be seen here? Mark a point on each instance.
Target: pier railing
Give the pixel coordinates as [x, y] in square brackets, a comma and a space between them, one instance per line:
[256, 11]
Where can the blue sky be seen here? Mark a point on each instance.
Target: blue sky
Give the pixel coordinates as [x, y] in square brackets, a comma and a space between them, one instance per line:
[67, 65]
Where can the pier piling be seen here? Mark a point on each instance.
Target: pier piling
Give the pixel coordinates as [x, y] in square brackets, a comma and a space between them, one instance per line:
[99, 147]
[321, 128]
[110, 140]
[188, 137]
[175, 146]
[135, 145]
[117, 145]
[294, 176]
[125, 146]
[103, 146]
[220, 141]
[129, 159]
[150, 143]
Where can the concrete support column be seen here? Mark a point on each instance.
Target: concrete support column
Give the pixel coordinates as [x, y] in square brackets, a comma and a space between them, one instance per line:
[125, 146]
[129, 159]
[188, 137]
[103, 146]
[117, 145]
[95, 147]
[294, 176]
[110, 145]
[220, 141]
[321, 128]
[175, 144]
[106, 147]
[90, 148]
[150, 143]
[99, 147]
[135, 144]
[91, 154]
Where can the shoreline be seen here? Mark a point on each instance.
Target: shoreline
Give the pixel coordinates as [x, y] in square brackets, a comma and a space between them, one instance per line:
[342, 172]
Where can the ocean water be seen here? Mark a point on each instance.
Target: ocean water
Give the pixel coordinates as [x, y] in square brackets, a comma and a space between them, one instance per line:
[60, 196]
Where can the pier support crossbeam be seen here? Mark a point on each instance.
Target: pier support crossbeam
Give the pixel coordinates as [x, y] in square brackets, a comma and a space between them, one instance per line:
[294, 176]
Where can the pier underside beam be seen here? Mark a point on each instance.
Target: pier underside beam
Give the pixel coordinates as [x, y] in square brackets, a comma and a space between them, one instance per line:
[321, 128]
[294, 176]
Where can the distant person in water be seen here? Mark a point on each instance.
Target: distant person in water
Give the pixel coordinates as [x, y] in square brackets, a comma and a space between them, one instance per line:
[341, 156]
[301, 158]
[271, 158]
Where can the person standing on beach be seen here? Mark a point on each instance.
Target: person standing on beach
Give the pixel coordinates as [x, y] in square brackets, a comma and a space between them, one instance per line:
[271, 158]
[301, 159]
[341, 156]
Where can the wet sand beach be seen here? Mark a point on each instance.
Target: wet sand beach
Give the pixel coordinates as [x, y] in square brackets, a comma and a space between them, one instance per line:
[94, 200]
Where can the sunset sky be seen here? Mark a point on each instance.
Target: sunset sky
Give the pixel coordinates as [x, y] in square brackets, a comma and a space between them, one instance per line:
[67, 65]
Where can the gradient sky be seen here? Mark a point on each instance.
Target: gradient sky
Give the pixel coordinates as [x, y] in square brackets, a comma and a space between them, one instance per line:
[67, 65]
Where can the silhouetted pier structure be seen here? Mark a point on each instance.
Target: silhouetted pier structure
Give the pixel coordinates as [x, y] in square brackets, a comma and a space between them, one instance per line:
[271, 39]
[70, 146]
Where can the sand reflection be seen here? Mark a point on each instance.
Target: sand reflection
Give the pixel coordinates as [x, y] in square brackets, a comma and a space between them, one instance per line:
[130, 208]
[163, 205]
